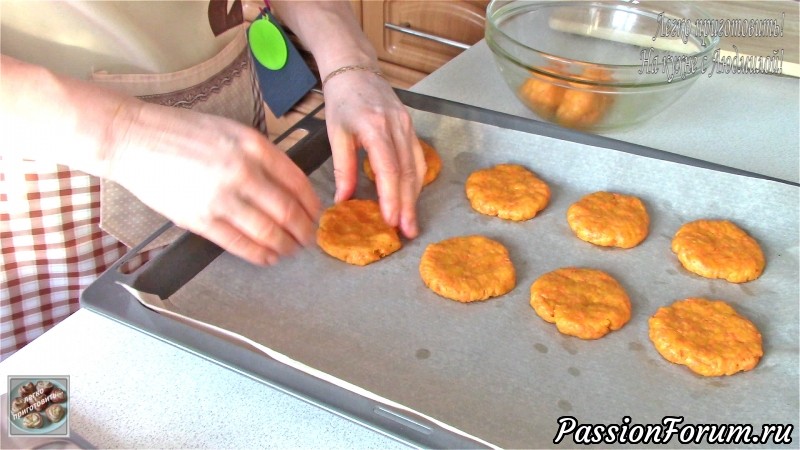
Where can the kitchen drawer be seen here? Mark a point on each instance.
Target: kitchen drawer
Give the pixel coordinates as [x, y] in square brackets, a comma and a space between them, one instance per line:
[422, 35]
[400, 76]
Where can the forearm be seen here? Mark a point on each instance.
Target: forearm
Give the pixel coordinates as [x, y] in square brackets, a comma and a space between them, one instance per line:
[330, 32]
[51, 118]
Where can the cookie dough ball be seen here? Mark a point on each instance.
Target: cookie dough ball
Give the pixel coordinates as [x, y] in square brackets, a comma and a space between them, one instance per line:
[354, 232]
[581, 109]
[508, 191]
[580, 103]
[467, 268]
[541, 96]
[584, 303]
[718, 249]
[707, 336]
[609, 219]
[586, 103]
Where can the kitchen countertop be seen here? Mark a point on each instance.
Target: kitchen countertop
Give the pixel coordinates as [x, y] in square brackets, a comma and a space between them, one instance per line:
[127, 388]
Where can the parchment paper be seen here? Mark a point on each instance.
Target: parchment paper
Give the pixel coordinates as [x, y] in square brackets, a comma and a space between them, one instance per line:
[494, 369]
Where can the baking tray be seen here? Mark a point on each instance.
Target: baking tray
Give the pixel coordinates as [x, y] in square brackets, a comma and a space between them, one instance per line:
[439, 394]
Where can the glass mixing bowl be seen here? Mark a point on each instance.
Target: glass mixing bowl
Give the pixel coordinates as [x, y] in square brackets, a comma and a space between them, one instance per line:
[599, 65]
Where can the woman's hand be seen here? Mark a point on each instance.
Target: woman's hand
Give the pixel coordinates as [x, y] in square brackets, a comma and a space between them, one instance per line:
[361, 110]
[215, 177]
[211, 175]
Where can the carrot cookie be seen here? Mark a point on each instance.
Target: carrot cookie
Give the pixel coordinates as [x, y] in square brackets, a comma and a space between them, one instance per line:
[432, 159]
[354, 231]
[508, 191]
[467, 268]
[718, 249]
[707, 336]
[609, 219]
[585, 303]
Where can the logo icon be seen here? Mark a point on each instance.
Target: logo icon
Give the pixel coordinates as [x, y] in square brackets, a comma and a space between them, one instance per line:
[38, 406]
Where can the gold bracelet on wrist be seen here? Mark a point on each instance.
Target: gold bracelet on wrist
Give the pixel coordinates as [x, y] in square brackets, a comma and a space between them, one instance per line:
[344, 69]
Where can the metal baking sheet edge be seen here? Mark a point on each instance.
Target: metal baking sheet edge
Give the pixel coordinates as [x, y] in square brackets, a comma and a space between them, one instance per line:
[111, 299]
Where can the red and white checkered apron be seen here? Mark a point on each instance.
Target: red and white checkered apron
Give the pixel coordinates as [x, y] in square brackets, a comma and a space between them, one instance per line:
[52, 247]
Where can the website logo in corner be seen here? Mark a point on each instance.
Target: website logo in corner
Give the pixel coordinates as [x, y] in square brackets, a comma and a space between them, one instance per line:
[38, 406]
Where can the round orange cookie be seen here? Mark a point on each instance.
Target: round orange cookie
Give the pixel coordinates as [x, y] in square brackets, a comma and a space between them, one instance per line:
[585, 303]
[718, 249]
[609, 219]
[508, 191]
[432, 159]
[467, 268]
[354, 231]
[707, 336]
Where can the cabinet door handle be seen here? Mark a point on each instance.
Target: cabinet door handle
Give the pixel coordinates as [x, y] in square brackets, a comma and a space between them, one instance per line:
[422, 34]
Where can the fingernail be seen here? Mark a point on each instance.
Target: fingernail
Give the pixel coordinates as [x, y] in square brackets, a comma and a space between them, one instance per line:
[271, 259]
[410, 228]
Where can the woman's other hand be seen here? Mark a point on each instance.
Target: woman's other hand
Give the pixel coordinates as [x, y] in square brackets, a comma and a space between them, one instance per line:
[215, 177]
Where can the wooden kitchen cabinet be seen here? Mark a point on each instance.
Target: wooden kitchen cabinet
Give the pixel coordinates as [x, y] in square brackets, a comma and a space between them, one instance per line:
[415, 37]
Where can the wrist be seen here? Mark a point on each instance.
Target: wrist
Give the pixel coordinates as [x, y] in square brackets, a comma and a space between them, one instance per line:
[350, 68]
[117, 138]
[331, 62]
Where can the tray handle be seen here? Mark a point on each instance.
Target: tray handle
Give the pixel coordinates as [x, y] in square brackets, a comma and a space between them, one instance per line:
[310, 152]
